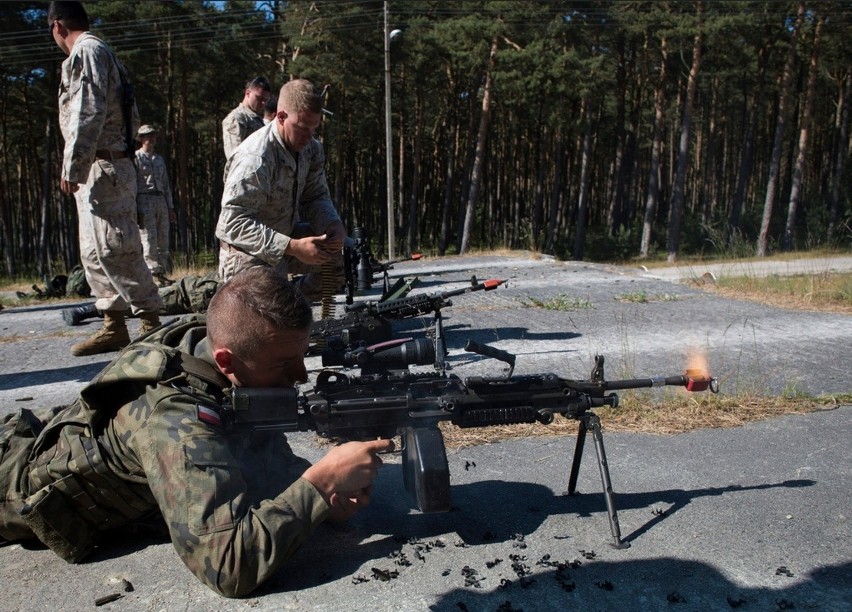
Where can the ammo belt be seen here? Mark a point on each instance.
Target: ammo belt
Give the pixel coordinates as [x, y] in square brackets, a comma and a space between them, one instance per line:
[110, 155]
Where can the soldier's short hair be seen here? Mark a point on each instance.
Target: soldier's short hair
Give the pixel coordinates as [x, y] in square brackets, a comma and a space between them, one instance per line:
[300, 96]
[243, 309]
[271, 106]
[259, 82]
[72, 15]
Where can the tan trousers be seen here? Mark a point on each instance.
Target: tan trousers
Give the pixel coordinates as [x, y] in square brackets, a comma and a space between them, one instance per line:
[110, 244]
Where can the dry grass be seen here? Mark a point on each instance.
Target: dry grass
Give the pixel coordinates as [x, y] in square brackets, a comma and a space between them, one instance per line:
[823, 292]
[673, 416]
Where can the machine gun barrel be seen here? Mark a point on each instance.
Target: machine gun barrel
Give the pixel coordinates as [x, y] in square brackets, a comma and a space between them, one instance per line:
[422, 303]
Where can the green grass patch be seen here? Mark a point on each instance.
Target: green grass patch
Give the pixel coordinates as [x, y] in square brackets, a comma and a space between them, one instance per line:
[557, 302]
[641, 297]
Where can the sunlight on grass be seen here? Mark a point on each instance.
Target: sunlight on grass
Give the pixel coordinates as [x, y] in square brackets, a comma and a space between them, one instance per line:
[558, 302]
[823, 291]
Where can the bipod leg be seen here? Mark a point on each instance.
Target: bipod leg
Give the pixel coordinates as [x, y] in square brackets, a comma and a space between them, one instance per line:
[578, 455]
[594, 423]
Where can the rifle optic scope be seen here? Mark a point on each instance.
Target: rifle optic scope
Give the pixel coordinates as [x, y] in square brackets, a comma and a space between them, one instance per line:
[393, 354]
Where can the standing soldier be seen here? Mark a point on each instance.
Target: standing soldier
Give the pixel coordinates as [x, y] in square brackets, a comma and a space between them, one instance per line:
[155, 207]
[275, 180]
[247, 117]
[94, 116]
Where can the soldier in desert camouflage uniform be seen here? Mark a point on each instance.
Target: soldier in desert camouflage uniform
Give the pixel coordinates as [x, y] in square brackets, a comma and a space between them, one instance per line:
[247, 117]
[275, 179]
[146, 438]
[154, 203]
[98, 170]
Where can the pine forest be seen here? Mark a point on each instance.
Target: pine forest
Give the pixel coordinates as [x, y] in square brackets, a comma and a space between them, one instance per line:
[587, 130]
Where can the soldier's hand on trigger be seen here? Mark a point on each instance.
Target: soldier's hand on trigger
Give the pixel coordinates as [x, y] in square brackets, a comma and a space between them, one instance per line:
[345, 475]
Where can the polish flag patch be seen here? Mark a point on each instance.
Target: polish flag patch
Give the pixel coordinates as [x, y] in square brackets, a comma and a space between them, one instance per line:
[208, 415]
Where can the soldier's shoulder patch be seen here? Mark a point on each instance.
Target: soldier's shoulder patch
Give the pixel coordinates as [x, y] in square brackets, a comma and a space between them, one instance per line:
[208, 415]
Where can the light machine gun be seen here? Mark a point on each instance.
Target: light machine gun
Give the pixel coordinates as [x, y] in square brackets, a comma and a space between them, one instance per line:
[411, 405]
[371, 322]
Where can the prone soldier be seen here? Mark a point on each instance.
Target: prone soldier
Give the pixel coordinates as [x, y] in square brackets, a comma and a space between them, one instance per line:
[146, 437]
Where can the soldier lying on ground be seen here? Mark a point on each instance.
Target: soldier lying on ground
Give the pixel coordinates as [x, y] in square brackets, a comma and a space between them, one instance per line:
[186, 295]
[145, 438]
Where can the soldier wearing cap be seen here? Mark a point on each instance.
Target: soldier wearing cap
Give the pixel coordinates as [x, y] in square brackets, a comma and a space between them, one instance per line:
[97, 168]
[247, 117]
[155, 207]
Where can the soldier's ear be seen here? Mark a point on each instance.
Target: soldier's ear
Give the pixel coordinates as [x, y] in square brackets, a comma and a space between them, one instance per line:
[225, 360]
[281, 116]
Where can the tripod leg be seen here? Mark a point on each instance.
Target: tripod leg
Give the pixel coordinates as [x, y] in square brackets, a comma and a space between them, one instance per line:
[595, 426]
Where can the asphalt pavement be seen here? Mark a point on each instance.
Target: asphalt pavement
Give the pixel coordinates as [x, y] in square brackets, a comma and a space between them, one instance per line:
[753, 518]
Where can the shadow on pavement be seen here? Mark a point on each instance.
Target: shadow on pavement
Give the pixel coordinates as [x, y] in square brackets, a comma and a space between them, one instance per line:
[77, 373]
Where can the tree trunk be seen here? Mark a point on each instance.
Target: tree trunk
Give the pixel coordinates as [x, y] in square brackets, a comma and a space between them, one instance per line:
[780, 124]
[678, 194]
[45, 254]
[553, 216]
[583, 199]
[842, 122]
[653, 195]
[799, 167]
[479, 157]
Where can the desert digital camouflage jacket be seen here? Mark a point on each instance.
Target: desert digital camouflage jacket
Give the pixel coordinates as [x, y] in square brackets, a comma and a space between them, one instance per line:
[237, 126]
[152, 178]
[267, 190]
[90, 106]
[235, 506]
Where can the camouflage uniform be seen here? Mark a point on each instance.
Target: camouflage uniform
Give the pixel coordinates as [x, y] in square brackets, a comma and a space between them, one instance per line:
[235, 505]
[264, 183]
[154, 201]
[240, 123]
[95, 157]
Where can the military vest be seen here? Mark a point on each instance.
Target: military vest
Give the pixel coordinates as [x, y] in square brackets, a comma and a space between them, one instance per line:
[74, 495]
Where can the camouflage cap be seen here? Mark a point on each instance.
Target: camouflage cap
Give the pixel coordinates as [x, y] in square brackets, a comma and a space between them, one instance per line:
[146, 129]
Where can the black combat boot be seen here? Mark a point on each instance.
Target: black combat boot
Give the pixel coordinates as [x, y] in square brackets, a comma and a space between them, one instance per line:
[75, 316]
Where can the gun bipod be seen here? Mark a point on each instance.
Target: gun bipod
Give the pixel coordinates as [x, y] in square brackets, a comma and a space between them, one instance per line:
[590, 420]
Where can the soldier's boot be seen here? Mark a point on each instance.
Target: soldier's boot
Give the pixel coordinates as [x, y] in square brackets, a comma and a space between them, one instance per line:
[111, 337]
[78, 314]
[150, 321]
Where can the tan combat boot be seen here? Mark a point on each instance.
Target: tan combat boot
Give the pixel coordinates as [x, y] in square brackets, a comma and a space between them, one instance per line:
[112, 336]
[150, 321]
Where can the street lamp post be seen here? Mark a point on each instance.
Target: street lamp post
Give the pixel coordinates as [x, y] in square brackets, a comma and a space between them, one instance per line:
[389, 139]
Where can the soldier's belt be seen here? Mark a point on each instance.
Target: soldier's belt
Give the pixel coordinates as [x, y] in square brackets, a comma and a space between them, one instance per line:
[151, 193]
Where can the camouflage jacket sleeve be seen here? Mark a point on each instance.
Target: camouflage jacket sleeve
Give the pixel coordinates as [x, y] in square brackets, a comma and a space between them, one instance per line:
[315, 205]
[236, 508]
[237, 126]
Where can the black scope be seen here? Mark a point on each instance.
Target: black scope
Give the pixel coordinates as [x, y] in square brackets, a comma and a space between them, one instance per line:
[362, 257]
[392, 355]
